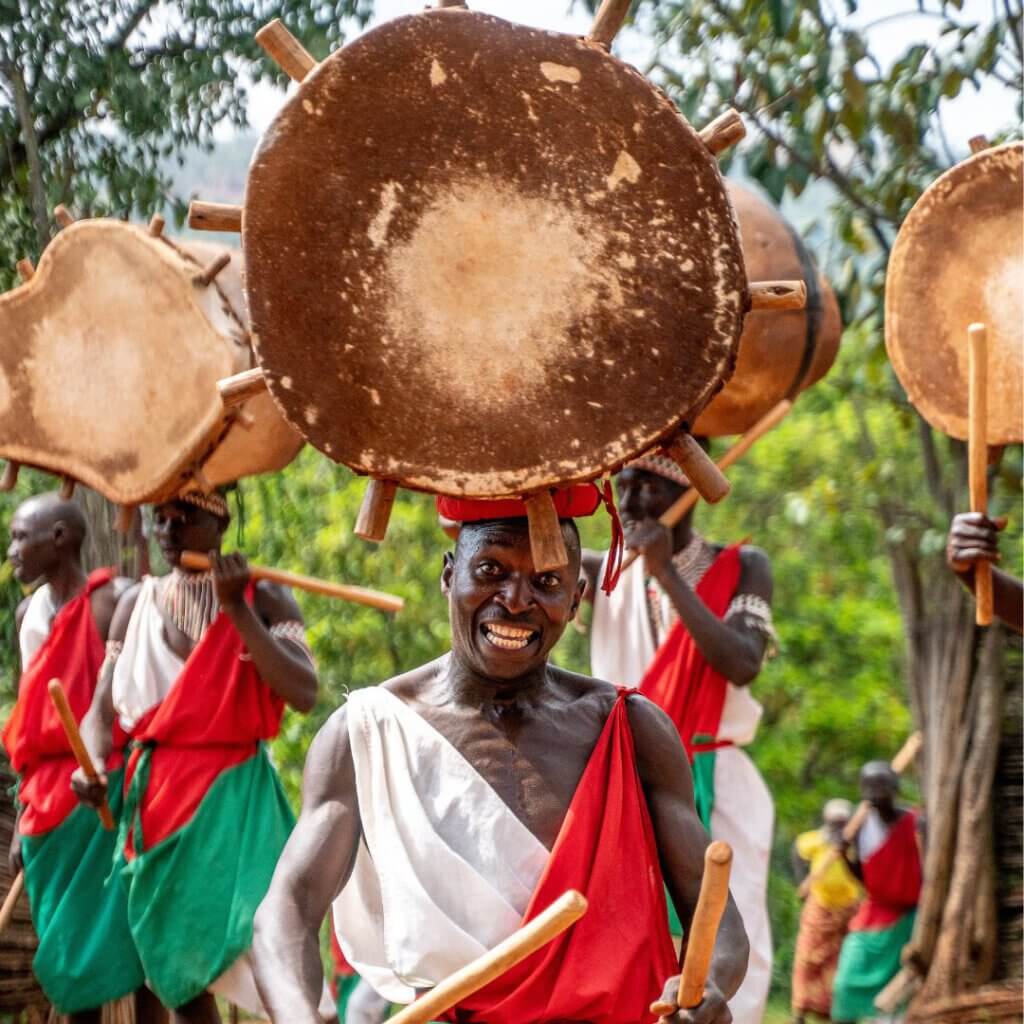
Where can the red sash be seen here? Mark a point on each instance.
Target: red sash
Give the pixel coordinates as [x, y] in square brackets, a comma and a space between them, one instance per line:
[214, 717]
[34, 737]
[892, 878]
[679, 679]
[610, 965]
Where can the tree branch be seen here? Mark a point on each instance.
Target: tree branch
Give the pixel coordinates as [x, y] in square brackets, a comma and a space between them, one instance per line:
[36, 188]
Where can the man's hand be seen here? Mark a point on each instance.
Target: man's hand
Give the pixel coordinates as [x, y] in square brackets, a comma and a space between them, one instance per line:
[654, 542]
[973, 538]
[14, 861]
[90, 793]
[713, 1009]
[230, 578]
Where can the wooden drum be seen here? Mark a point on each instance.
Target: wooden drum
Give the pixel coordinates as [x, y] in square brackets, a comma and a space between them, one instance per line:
[112, 350]
[781, 353]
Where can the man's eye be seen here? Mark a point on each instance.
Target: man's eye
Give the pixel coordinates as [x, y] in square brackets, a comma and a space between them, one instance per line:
[549, 581]
[489, 569]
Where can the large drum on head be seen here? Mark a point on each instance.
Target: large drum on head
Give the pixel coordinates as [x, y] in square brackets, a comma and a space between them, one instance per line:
[108, 370]
[958, 260]
[781, 352]
[483, 259]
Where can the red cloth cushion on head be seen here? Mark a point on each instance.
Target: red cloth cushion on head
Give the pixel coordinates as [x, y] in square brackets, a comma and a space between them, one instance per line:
[571, 502]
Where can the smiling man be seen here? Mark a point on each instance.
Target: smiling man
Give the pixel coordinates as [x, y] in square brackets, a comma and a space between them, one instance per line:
[448, 805]
[199, 668]
[689, 626]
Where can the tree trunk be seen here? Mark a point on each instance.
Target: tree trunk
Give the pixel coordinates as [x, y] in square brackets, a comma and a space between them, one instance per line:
[37, 189]
[104, 545]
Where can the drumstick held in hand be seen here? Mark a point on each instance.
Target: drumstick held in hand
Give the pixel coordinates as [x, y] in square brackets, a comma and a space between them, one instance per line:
[67, 719]
[690, 497]
[345, 591]
[11, 900]
[977, 457]
[550, 923]
[703, 931]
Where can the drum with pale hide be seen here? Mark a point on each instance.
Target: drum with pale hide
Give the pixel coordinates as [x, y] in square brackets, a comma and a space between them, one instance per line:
[112, 349]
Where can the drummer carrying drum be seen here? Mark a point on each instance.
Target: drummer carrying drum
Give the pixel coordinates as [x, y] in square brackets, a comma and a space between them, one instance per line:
[446, 806]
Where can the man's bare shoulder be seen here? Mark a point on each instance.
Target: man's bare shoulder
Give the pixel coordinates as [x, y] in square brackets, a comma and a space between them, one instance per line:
[408, 687]
[19, 612]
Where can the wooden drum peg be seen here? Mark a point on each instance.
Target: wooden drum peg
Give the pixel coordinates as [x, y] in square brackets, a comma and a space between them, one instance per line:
[156, 225]
[445, 4]
[201, 480]
[67, 487]
[707, 479]
[63, 215]
[546, 542]
[978, 143]
[242, 386]
[285, 50]
[125, 519]
[214, 216]
[725, 131]
[375, 511]
[25, 269]
[245, 419]
[607, 22]
[10, 476]
[205, 277]
[778, 295]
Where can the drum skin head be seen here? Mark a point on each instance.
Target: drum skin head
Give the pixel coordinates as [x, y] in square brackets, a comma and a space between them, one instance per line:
[958, 260]
[110, 361]
[781, 353]
[484, 259]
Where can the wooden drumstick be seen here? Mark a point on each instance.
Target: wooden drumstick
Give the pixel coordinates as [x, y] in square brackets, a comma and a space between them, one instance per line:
[608, 20]
[977, 457]
[777, 295]
[703, 931]
[346, 592]
[67, 719]
[689, 498]
[548, 925]
[285, 50]
[214, 216]
[11, 900]
[900, 763]
[242, 386]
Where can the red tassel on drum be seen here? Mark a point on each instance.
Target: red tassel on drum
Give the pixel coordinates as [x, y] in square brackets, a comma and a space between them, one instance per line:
[617, 548]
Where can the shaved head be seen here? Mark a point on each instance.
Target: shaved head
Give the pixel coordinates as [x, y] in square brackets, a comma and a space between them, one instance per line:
[47, 510]
[46, 532]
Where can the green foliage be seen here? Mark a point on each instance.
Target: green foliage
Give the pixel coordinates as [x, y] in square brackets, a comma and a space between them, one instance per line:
[119, 88]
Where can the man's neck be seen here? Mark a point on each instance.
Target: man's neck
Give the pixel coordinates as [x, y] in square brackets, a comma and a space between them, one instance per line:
[66, 581]
[467, 688]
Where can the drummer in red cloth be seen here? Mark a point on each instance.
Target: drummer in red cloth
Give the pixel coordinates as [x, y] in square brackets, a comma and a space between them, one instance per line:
[689, 626]
[449, 805]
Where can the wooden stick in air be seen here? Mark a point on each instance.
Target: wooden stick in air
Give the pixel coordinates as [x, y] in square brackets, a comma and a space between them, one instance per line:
[703, 931]
[565, 911]
[344, 591]
[977, 457]
[11, 900]
[690, 497]
[67, 719]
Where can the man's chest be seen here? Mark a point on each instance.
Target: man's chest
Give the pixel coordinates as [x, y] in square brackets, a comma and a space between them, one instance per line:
[531, 766]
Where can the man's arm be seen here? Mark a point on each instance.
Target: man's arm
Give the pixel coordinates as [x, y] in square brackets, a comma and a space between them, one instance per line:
[733, 648]
[974, 538]
[313, 869]
[97, 727]
[681, 838]
[14, 863]
[282, 664]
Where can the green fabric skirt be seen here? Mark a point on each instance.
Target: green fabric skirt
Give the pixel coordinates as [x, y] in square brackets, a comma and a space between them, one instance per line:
[86, 955]
[868, 961]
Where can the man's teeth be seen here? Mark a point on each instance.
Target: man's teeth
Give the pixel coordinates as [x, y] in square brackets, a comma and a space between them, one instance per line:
[510, 638]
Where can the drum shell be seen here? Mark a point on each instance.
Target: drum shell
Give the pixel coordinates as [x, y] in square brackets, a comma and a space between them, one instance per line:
[780, 353]
[110, 361]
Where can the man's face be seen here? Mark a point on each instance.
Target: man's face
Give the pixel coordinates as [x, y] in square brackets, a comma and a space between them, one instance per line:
[34, 547]
[643, 495]
[179, 526]
[879, 788]
[505, 616]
